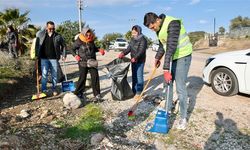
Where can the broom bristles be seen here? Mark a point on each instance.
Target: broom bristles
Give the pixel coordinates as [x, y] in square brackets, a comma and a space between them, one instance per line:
[38, 96]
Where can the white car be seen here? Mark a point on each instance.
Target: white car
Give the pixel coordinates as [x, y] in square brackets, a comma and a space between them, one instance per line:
[120, 44]
[228, 73]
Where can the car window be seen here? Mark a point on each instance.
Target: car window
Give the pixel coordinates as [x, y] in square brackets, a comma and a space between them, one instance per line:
[120, 40]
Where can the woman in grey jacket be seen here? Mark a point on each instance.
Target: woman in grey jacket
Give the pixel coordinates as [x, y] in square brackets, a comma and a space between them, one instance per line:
[137, 49]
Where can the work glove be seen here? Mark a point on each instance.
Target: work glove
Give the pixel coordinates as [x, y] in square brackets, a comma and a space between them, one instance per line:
[133, 60]
[167, 76]
[77, 57]
[121, 55]
[102, 51]
[157, 63]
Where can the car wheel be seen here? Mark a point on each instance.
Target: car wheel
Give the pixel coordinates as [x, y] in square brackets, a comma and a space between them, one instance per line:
[224, 82]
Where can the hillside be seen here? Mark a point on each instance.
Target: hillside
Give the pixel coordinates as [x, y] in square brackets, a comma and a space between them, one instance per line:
[224, 44]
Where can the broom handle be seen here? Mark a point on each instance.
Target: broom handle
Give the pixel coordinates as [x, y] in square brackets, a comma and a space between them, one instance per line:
[168, 85]
[64, 70]
[145, 87]
[37, 80]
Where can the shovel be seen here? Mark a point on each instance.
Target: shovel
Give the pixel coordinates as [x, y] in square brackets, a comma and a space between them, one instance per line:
[161, 122]
[67, 85]
[38, 95]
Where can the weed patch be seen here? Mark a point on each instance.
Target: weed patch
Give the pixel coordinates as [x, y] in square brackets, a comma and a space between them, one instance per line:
[90, 121]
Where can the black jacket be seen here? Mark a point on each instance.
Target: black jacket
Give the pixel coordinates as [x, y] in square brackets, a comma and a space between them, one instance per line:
[12, 38]
[84, 50]
[172, 42]
[137, 49]
[59, 44]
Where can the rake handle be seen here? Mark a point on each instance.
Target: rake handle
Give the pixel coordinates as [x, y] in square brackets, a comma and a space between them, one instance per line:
[143, 91]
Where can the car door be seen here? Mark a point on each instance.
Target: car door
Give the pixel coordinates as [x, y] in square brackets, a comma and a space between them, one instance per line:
[247, 73]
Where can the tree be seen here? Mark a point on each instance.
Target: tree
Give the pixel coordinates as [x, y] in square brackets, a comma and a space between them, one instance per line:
[69, 30]
[222, 30]
[20, 23]
[239, 22]
[128, 35]
[108, 38]
[196, 36]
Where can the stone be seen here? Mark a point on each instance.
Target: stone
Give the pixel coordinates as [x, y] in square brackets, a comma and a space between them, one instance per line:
[24, 114]
[96, 139]
[159, 144]
[71, 101]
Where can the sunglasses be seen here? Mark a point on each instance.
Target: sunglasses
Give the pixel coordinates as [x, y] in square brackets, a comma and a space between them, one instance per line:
[51, 29]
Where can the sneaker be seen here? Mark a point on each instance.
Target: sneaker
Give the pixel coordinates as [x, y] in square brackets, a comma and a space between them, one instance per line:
[182, 125]
[55, 93]
[81, 96]
[97, 98]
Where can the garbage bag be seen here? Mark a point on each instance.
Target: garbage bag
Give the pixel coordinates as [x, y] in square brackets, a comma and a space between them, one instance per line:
[118, 70]
[60, 75]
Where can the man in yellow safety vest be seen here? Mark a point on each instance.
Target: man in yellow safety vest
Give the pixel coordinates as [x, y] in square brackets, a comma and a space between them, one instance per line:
[175, 44]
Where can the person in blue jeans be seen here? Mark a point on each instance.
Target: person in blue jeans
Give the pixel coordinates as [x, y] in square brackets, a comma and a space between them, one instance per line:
[175, 44]
[137, 48]
[49, 47]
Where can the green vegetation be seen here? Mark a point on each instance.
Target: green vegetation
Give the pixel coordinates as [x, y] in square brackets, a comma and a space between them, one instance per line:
[20, 23]
[196, 36]
[109, 38]
[222, 30]
[69, 30]
[239, 22]
[91, 121]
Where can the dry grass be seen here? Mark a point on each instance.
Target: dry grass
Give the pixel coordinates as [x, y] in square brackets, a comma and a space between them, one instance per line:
[224, 45]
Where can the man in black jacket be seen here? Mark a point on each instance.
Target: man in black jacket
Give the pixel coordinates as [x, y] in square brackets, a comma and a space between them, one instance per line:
[175, 43]
[49, 47]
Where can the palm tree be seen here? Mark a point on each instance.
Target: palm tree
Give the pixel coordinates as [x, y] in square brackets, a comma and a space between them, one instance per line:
[20, 23]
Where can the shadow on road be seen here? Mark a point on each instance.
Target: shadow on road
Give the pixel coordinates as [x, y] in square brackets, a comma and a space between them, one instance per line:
[194, 87]
[227, 135]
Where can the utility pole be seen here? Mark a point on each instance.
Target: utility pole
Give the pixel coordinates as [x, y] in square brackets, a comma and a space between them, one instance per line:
[80, 4]
[214, 26]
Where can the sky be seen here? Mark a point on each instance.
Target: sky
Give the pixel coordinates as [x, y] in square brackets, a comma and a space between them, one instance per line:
[108, 16]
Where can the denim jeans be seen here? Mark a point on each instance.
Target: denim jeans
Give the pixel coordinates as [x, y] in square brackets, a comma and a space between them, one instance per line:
[49, 65]
[179, 71]
[137, 77]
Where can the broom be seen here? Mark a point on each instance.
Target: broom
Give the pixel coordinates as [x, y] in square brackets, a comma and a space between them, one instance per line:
[38, 95]
[138, 99]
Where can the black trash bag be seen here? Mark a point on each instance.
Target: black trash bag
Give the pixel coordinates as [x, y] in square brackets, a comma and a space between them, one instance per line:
[118, 70]
[60, 75]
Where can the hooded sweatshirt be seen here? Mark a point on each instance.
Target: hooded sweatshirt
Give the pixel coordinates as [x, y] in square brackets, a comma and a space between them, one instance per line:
[137, 46]
[84, 47]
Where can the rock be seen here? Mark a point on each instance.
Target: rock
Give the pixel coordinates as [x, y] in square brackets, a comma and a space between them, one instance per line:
[24, 114]
[106, 142]
[96, 139]
[45, 114]
[172, 147]
[65, 112]
[71, 101]
[159, 144]
[50, 118]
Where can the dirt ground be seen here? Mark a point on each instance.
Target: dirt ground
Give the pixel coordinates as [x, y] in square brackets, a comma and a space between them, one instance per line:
[214, 122]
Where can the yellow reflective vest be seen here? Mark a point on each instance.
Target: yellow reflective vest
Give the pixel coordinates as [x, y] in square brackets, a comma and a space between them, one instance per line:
[184, 47]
